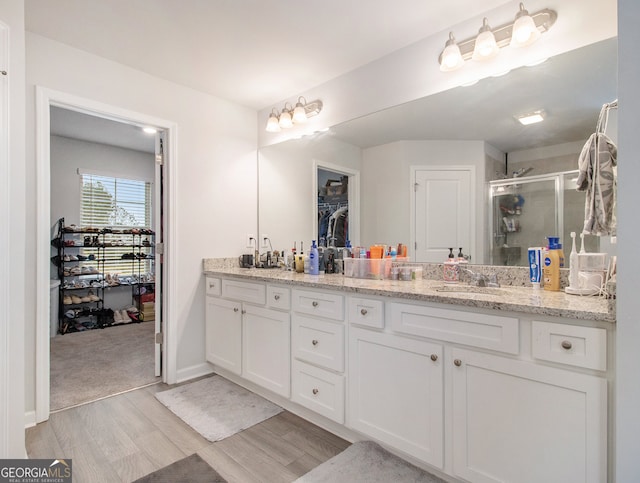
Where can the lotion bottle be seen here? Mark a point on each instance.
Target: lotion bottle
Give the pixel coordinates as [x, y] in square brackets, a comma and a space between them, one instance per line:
[314, 261]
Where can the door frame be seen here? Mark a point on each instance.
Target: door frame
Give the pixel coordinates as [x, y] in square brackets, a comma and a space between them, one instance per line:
[45, 98]
[474, 250]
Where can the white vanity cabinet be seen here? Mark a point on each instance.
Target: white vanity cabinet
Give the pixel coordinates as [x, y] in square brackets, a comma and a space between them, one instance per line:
[396, 393]
[318, 352]
[248, 337]
[515, 421]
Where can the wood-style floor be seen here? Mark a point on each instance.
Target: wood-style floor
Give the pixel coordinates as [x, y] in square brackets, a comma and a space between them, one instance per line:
[124, 437]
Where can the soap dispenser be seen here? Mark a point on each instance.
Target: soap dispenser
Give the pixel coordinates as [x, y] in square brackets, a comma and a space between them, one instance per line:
[451, 271]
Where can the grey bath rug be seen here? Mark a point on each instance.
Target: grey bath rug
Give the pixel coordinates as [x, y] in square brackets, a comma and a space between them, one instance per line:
[191, 469]
[367, 462]
[217, 408]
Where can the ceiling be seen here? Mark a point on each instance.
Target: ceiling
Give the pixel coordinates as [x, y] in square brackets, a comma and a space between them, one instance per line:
[252, 52]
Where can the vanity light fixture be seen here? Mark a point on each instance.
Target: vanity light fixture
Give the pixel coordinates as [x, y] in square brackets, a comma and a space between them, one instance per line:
[523, 31]
[292, 115]
[531, 118]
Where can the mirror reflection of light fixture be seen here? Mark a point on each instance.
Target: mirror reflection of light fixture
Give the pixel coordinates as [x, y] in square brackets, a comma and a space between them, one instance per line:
[524, 31]
[290, 115]
[486, 46]
[531, 117]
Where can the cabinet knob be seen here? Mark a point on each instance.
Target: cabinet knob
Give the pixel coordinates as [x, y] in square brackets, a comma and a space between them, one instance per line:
[243, 311]
[212, 285]
[314, 342]
[363, 311]
[235, 309]
[434, 357]
[315, 391]
[276, 296]
[314, 303]
[457, 362]
[566, 344]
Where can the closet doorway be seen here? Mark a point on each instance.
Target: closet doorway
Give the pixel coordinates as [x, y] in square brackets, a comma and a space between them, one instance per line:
[336, 204]
[111, 153]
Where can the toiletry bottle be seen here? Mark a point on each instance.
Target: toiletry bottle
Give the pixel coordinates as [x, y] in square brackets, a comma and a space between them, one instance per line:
[461, 257]
[314, 259]
[451, 272]
[552, 262]
[293, 252]
[300, 260]
[573, 263]
[535, 266]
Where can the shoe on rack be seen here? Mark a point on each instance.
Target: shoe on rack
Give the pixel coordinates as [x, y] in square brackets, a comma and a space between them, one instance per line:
[125, 316]
[66, 258]
[86, 299]
[66, 300]
[81, 258]
[92, 296]
[73, 258]
[117, 317]
[75, 299]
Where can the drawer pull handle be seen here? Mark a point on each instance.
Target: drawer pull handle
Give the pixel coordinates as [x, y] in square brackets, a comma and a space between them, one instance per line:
[566, 344]
[457, 362]
[363, 311]
[314, 303]
[314, 342]
[315, 391]
[434, 357]
[212, 285]
[277, 297]
[235, 309]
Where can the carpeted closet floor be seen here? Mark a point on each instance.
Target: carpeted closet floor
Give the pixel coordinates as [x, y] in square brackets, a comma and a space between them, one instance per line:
[89, 365]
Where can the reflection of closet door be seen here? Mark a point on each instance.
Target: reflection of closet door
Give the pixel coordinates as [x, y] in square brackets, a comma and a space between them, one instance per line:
[443, 212]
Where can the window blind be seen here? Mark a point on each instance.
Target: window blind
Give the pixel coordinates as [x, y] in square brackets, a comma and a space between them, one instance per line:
[117, 203]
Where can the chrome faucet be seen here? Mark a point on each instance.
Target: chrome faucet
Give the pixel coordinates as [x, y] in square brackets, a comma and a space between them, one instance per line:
[482, 280]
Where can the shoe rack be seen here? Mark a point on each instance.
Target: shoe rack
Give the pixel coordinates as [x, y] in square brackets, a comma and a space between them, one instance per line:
[87, 262]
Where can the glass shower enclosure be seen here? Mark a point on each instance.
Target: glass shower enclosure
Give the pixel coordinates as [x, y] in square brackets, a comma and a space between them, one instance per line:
[523, 212]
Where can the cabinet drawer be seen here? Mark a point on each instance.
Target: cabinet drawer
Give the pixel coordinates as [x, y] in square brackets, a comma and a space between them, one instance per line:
[319, 342]
[367, 312]
[493, 332]
[330, 306]
[278, 297]
[319, 390]
[213, 286]
[244, 291]
[570, 344]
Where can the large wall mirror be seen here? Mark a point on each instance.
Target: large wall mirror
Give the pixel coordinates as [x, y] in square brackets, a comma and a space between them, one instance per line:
[472, 125]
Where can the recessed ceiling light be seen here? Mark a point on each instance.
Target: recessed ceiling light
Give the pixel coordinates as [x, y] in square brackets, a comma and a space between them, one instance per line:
[531, 118]
[150, 130]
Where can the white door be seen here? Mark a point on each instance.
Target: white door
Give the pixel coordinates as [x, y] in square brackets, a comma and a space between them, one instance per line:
[223, 334]
[518, 422]
[396, 392]
[266, 349]
[443, 212]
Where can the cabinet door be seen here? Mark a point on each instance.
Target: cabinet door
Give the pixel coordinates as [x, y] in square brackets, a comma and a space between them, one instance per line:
[396, 392]
[514, 421]
[266, 348]
[224, 333]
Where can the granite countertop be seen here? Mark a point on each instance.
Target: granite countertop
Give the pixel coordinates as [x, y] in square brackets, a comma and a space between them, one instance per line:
[509, 298]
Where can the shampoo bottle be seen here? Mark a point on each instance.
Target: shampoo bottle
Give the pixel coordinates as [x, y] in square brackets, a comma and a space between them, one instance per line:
[314, 259]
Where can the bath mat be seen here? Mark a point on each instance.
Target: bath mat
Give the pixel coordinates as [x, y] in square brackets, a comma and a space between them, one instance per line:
[367, 462]
[192, 469]
[217, 408]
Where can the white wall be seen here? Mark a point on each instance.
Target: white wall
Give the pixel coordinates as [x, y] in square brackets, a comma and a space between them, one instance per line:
[69, 155]
[287, 191]
[386, 186]
[12, 314]
[413, 72]
[627, 388]
[215, 202]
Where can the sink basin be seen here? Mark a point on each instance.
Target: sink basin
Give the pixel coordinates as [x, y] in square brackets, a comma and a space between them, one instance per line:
[470, 289]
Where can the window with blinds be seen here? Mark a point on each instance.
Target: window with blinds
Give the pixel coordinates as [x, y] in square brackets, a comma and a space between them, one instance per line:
[120, 204]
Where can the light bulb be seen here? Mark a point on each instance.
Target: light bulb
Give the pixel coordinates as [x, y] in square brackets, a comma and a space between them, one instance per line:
[299, 114]
[272, 123]
[285, 120]
[525, 31]
[451, 58]
[486, 46]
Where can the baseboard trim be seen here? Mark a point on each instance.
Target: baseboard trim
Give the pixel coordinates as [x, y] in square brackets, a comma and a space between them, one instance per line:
[192, 372]
[29, 419]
